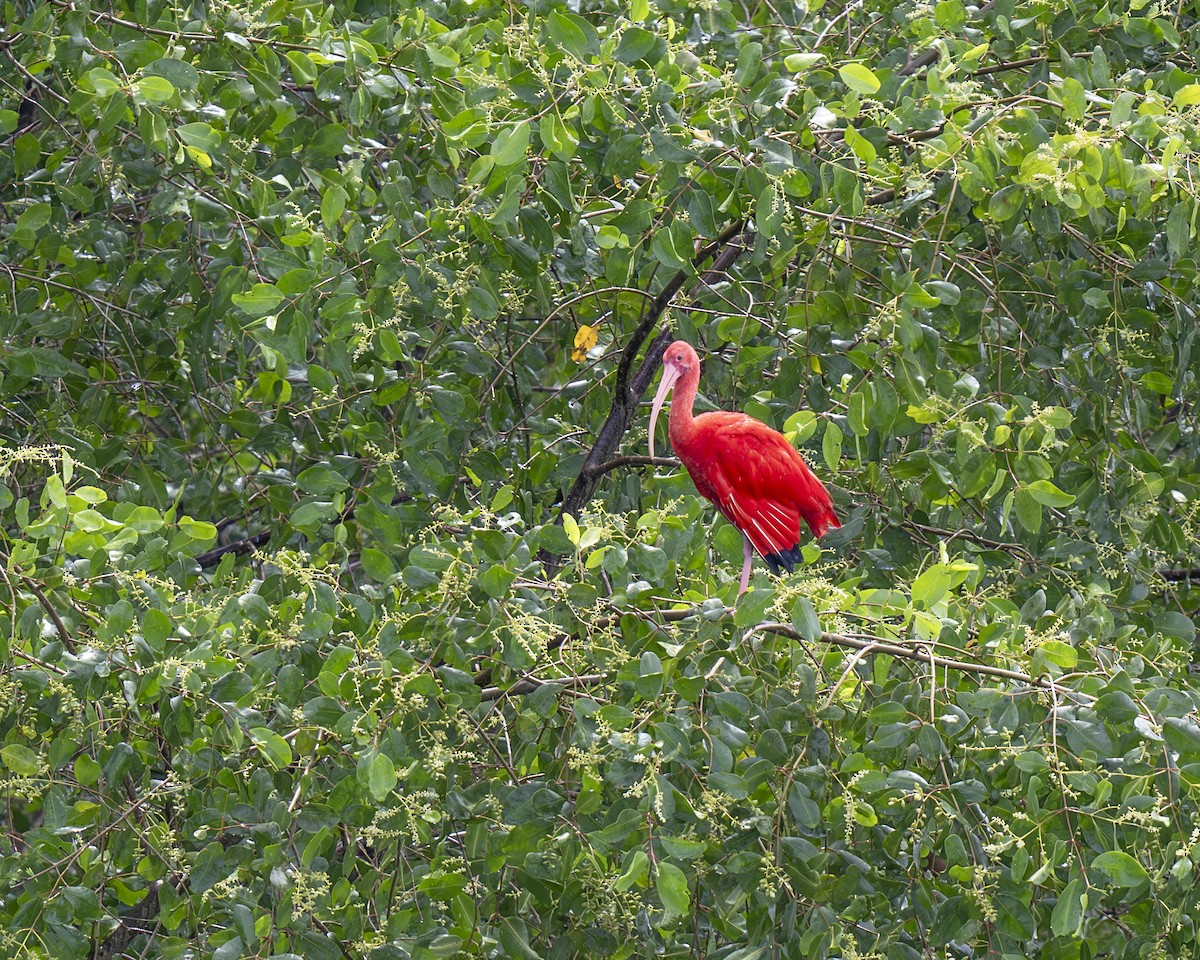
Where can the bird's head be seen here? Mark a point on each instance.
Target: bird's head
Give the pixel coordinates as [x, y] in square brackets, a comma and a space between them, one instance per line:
[679, 360]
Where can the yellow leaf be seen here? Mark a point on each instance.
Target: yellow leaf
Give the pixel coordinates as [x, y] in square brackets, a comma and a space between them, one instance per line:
[585, 339]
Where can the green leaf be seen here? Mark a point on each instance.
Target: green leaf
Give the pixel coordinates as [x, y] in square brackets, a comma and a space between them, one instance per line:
[1046, 493]
[932, 585]
[1067, 916]
[321, 480]
[639, 46]
[200, 530]
[805, 620]
[1179, 229]
[377, 565]
[831, 446]
[859, 78]
[634, 873]
[749, 62]
[572, 33]
[154, 89]
[672, 886]
[181, 74]
[333, 205]
[1123, 869]
[259, 300]
[557, 137]
[1182, 734]
[1029, 510]
[1073, 99]
[199, 135]
[797, 62]
[1006, 202]
[1059, 653]
[274, 749]
[20, 760]
[104, 82]
[381, 777]
[510, 144]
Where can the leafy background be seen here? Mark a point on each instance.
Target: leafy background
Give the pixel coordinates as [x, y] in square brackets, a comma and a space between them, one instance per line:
[344, 614]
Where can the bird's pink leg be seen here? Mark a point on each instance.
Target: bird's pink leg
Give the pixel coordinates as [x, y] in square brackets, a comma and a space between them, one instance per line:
[748, 554]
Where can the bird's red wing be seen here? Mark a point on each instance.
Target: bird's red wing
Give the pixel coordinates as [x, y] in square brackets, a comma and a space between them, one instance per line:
[760, 482]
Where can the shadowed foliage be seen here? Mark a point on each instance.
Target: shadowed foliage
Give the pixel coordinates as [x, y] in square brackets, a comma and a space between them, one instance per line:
[344, 615]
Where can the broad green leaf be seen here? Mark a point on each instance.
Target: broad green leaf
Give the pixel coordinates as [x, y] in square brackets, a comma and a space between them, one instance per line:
[377, 565]
[510, 144]
[104, 82]
[1067, 916]
[259, 300]
[1124, 870]
[381, 776]
[200, 530]
[1045, 492]
[20, 760]
[321, 480]
[272, 746]
[200, 135]
[154, 89]
[797, 62]
[638, 45]
[672, 886]
[634, 872]
[859, 78]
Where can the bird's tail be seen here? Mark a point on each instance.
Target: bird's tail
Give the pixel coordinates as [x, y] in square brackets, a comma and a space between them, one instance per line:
[820, 517]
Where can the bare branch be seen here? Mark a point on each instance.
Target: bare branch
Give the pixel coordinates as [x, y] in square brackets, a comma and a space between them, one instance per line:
[632, 461]
[33, 587]
[628, 390]
[865, 643]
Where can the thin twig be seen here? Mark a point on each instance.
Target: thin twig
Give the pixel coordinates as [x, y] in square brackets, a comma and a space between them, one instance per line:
[46, 605]
[632, 461]
[879, 645]
[530, 684]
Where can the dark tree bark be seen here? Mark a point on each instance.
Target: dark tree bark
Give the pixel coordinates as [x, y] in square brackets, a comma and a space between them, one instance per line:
[630, 386]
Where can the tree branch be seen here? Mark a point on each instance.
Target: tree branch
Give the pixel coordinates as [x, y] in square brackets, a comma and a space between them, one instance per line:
[627, 392]
[117, 942]
[238, 548]
[931, 54]
[920, 654]
[530, 684]
[250, 544]
[616, 462]
[864, 642]
[44, 601]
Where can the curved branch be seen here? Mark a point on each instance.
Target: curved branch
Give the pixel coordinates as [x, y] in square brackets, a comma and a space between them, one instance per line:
[250, 544]
[921, 655]
[628, 390]
[865, 643]
[44, 601]
[237, 548]
[631, 461]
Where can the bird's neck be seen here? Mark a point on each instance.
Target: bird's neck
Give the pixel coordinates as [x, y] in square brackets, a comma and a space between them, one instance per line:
[682, 423]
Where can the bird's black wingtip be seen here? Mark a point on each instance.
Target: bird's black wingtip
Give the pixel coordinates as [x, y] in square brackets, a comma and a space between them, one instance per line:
[783, 560]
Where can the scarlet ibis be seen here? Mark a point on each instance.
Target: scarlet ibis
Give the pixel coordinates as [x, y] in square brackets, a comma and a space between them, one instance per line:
[750, 472]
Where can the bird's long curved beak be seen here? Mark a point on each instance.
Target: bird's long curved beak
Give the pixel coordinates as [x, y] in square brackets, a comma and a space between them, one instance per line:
[670, 375]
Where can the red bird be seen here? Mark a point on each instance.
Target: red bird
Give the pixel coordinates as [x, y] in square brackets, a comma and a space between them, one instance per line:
[754, 476]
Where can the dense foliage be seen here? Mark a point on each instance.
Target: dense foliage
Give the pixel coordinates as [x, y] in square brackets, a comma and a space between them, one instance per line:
[344, 615]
